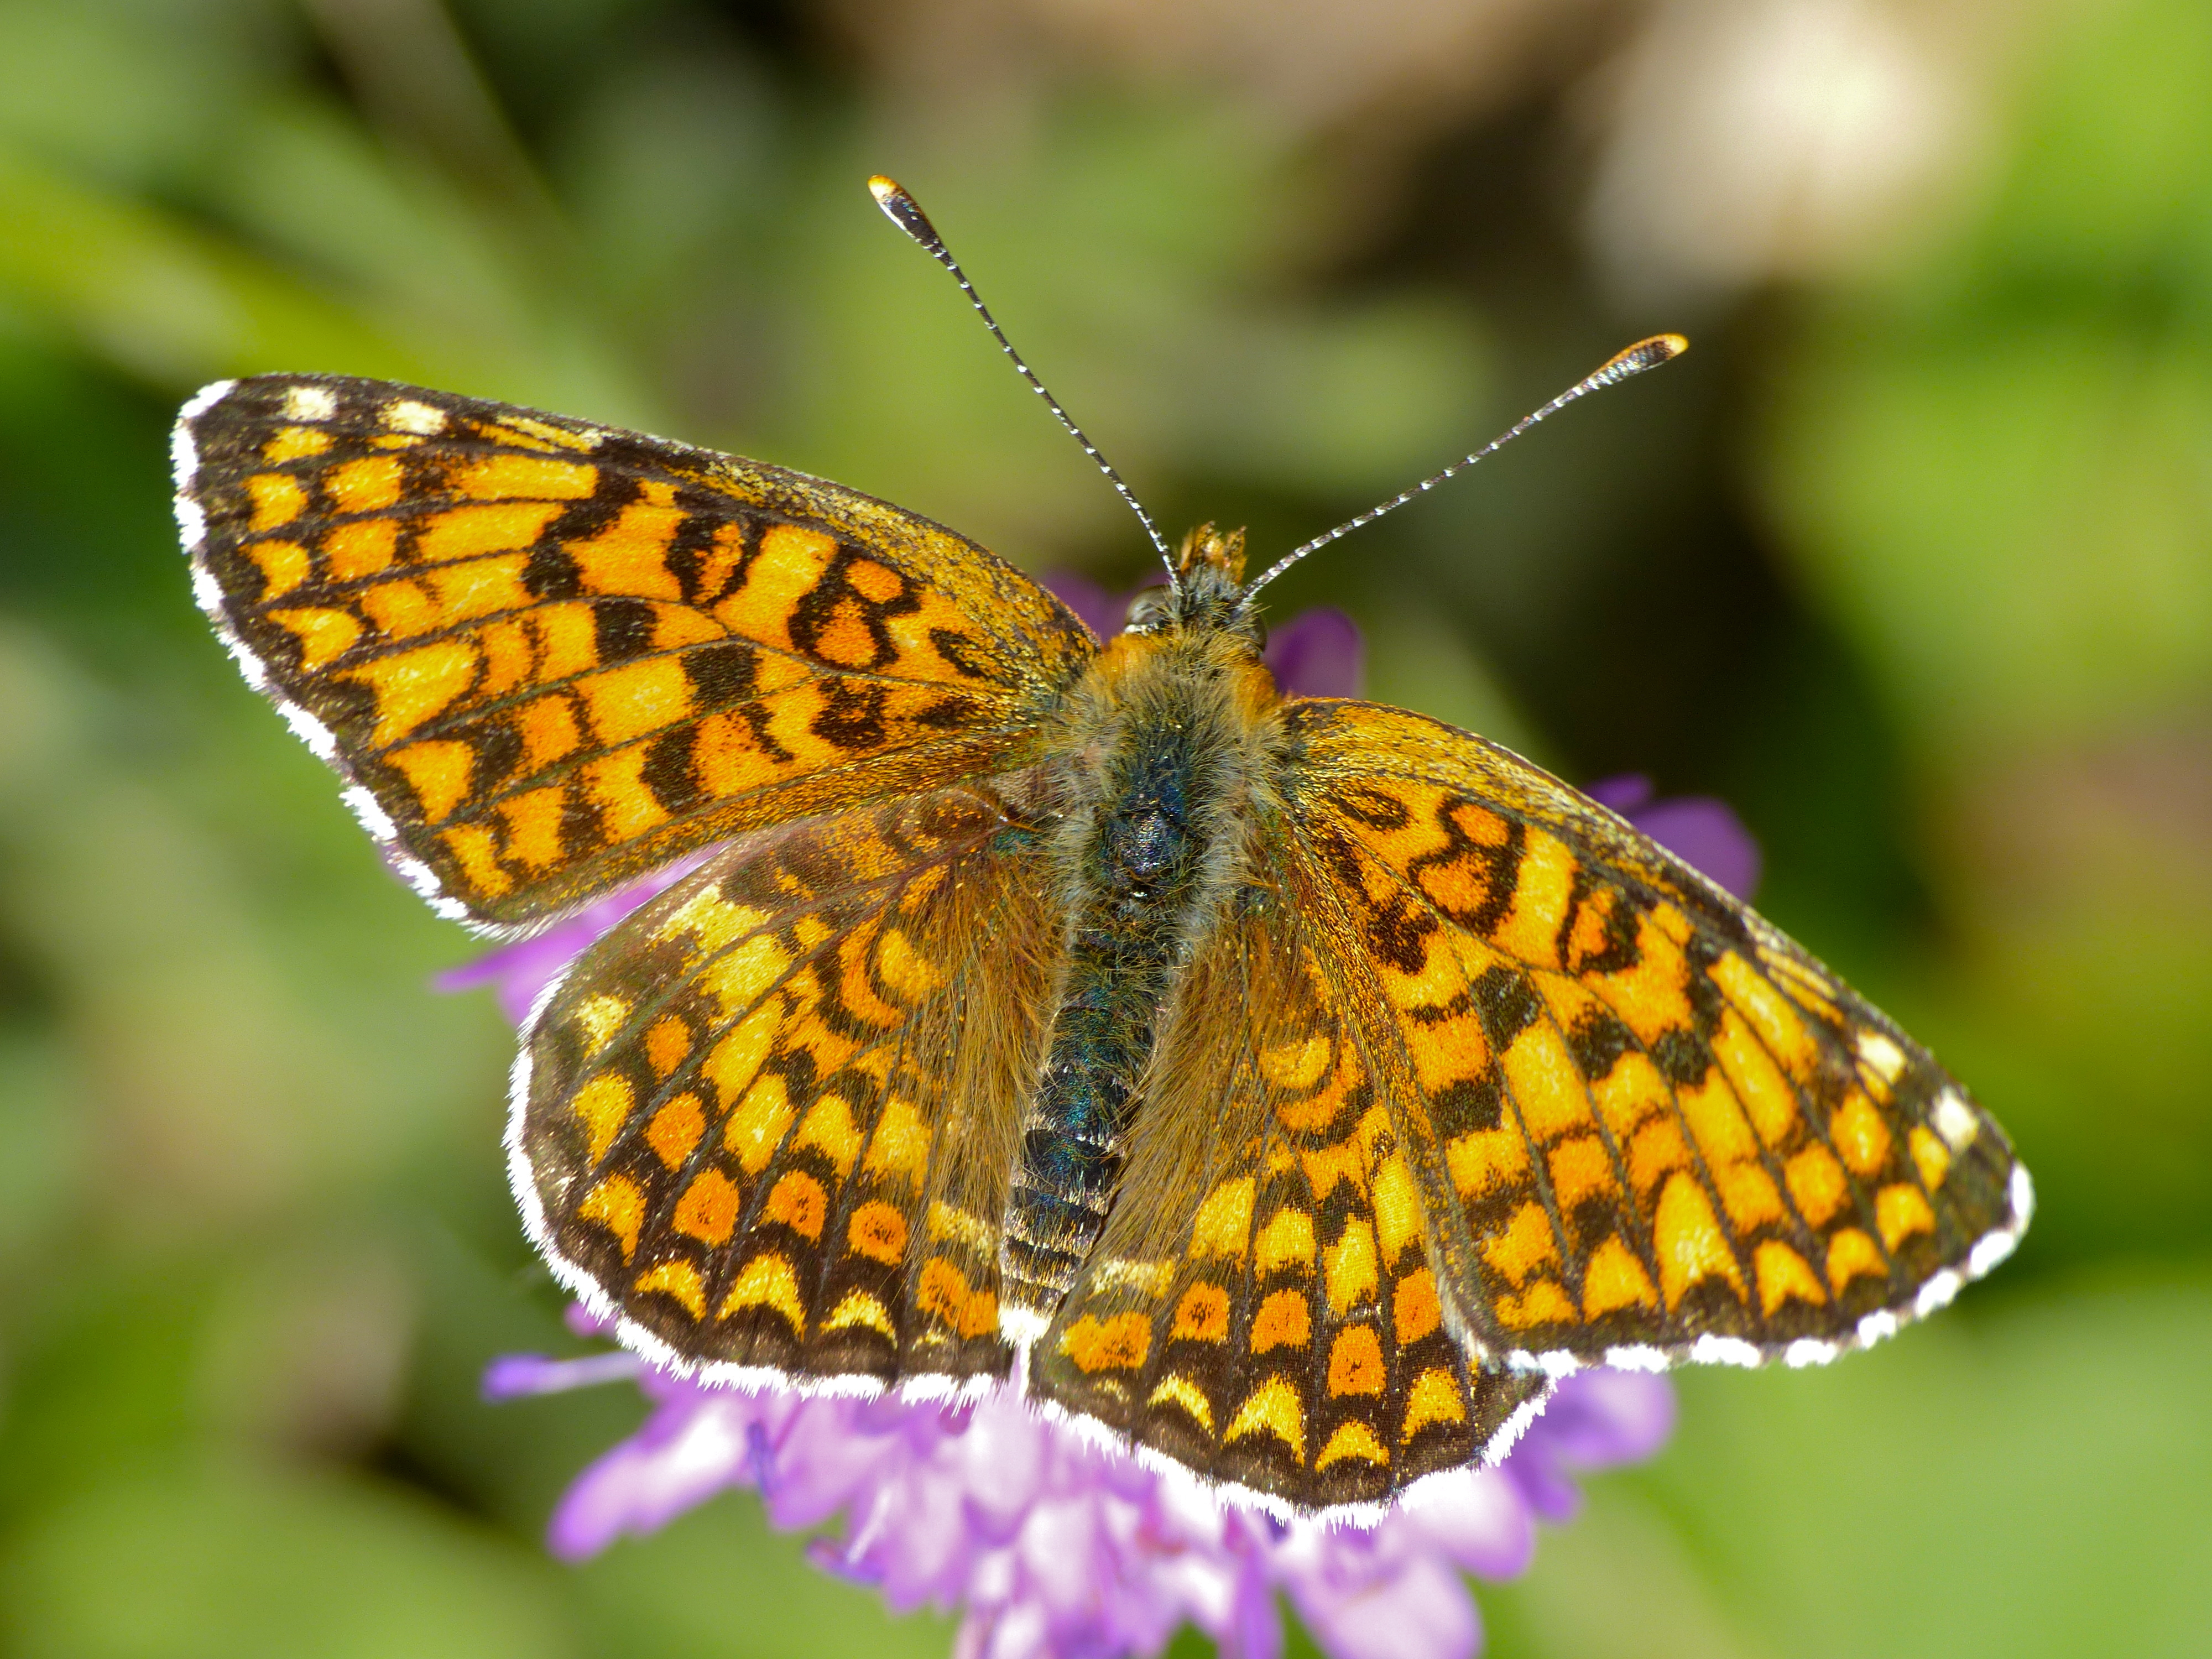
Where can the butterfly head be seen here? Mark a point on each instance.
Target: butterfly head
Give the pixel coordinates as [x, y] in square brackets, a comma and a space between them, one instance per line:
[1208, 592]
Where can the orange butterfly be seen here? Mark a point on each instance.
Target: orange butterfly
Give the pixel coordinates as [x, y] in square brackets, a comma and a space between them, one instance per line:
[1297, 1085]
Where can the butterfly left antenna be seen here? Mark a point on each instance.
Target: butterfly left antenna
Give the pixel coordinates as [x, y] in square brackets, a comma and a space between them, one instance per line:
[906, 213]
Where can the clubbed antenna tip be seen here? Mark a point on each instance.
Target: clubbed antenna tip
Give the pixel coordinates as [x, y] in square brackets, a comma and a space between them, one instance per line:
[906, 213]
[1644, 354]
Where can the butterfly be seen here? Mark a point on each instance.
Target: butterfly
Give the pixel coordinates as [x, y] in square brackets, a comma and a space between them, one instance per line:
[1293, 1088]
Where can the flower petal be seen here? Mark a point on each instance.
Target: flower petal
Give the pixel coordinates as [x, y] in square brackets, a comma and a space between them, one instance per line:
[1702, 831]
[1479, 1523]
[1706, 834]
[1318, 653]
[1102, 611]
[520, 972]
[1423, 1611]
[1050, 1544]
[1596, 1419]
[646, 1482]
[512, 1377]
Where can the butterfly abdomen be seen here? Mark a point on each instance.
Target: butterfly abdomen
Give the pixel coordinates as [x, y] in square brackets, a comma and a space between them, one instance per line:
[1167, 733]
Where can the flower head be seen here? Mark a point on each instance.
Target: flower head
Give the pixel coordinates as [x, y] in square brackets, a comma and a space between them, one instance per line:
[1050, 1544]
[1046, 1541]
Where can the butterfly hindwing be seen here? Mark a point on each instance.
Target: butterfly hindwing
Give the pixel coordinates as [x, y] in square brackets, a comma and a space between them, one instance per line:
[1261, 1306]
[551, 655]
[769, 1119]
[1653, 1127]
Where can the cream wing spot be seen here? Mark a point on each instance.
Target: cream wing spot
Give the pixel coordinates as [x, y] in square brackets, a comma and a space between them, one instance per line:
[191, 525]
[409, 415]
[1882, 1057]
[1020, 1328]
[250, 666]
[205, 589]
[184, 459]
[1955, 1120]
[420, 877]
[1554, 1363]
[309, 403]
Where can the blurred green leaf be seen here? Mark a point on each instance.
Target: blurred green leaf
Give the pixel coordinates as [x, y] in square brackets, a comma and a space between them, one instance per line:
[1994, 473]
[2110, 197]
[220, 1562]
[2031, 1480]
[162, 299]
[762, 1601]
[2014, 524]
[135, 93]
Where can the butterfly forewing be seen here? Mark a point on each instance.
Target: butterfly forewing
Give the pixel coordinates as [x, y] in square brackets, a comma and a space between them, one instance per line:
[1261, 1306]
[552, 655]
[1650, 1127]
[769, 1120]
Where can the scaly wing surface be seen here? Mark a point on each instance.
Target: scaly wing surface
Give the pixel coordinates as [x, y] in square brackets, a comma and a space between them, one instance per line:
[768, 1121]
[551, 655]
[1262, 1305]
[1645, 1126]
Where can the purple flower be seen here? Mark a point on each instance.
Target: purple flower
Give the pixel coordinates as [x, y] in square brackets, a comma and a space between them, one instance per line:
[1050, 1545]
[1101, 610]
[518, 973]
[1701, 831]
[1317, 653]
[1044, 1541]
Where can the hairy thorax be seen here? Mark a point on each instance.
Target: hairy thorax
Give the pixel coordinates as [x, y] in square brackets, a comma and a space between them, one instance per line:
[1170, 740]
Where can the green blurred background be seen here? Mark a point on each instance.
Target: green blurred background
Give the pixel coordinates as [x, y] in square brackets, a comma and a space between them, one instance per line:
[1911, 559]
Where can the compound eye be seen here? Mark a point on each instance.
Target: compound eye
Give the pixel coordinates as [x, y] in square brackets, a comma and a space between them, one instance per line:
[1149, 610]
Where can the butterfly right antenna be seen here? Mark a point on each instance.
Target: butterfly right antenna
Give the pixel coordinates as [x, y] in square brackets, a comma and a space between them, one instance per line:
[906, 213]
[1644, 354]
